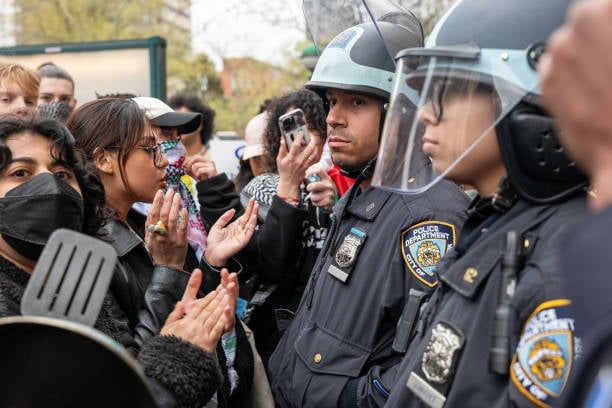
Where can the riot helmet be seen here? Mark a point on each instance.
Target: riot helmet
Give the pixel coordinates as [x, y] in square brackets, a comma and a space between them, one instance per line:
[476, 83]
[359, 60]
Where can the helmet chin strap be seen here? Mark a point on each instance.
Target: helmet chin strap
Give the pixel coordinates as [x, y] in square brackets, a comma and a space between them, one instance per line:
[361, 173]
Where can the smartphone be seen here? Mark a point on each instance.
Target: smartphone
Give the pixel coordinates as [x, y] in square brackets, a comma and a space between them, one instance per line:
[291, 124]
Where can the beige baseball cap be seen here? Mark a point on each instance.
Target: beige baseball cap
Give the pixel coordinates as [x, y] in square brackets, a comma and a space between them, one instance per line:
[253, 136]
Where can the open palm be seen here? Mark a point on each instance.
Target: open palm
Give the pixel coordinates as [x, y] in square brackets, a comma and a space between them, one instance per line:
[225, 240]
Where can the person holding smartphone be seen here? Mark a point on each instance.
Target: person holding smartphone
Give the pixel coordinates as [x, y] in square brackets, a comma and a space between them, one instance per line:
[284, 265]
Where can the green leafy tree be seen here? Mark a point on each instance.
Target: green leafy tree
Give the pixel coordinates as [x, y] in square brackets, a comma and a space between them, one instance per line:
[194, 75]
[252, 82]
[94, 20]
[86, 20]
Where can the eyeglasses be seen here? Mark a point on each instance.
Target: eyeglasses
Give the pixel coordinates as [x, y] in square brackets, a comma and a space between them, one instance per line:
[157, 153]
[155, 149]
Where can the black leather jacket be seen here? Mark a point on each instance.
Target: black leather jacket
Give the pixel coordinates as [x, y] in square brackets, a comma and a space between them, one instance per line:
[145, 291]
[160, 287]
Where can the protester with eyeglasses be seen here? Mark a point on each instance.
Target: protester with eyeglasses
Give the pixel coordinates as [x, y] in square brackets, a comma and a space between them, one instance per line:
[234, 352]
[120, 141]
[194, 178]
[166, 127]
[116, 138]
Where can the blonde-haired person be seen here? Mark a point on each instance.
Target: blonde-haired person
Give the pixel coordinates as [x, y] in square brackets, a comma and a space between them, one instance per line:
[18, 90]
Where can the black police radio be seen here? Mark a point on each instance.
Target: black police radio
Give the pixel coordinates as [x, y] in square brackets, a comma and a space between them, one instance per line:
[512, 260]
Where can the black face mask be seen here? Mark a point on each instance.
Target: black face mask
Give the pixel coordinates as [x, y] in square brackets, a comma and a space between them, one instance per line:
[30, 212]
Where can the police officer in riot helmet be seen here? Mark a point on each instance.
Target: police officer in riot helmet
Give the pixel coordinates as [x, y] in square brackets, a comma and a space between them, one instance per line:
[498, 330]
[340, 349]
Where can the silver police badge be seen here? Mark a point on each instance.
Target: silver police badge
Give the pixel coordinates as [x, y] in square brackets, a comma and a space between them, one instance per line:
[441, 352]
[345, 256]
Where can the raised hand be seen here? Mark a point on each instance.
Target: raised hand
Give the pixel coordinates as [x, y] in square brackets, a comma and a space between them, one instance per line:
[229, 282]
[166, 231]
[201, 322]
[225, 240]
[292, 165]
[322, 192]
[200, 168]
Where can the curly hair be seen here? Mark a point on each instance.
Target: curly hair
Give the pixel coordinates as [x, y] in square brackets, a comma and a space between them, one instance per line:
[195, 104]
[306, 100]
[63, 150]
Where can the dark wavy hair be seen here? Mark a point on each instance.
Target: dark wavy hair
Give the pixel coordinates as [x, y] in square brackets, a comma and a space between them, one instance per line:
[195, 104]
[106, 122]
[63, 150]
[306, 100]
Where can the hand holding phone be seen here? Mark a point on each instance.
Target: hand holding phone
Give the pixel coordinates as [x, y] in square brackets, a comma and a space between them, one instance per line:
[313, 177]
[292, 124]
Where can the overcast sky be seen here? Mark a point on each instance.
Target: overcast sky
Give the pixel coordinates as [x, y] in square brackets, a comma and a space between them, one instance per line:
[235, 28]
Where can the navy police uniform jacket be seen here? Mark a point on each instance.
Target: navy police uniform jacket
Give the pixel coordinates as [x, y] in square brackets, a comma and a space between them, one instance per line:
[447, 363]
[380, 246]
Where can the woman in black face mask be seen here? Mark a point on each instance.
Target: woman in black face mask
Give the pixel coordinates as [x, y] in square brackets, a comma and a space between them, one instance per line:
[44, 186]
[40, 173]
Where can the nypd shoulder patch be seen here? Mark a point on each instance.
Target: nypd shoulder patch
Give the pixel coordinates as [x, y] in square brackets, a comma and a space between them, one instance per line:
[423, 245]
[544, 355]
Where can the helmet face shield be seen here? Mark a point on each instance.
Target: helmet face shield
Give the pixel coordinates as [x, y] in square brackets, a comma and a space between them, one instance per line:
[441, 121]
[327, 18]
[360, 58]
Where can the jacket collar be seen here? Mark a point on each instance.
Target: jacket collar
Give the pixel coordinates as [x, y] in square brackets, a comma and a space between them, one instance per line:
[466, 274]
[121, 237]
[368, 203]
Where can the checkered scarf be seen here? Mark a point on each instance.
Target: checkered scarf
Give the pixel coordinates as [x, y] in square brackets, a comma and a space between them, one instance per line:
[185, 185]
